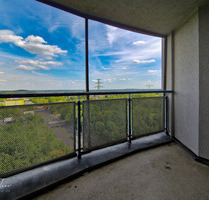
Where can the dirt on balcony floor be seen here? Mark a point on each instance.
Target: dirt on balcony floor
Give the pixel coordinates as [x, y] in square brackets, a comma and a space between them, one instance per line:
[162, 173]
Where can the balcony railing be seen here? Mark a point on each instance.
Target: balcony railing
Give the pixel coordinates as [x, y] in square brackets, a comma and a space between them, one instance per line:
[104, 123]
[37, 134]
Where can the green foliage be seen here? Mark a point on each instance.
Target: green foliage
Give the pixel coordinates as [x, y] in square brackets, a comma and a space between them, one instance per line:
[26, 140]
[41, 100]
[107, 121]
[147, 115]
[63, 111]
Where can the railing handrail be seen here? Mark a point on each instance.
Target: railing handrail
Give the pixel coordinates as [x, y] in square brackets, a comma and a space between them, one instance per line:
[57, 94]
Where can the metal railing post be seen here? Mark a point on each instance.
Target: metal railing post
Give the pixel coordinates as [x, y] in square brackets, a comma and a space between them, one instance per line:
[166, 114]
[79, 127]
[129, 119]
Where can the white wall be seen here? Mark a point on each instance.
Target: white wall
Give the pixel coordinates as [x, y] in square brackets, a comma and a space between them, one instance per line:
[186, 82]
[191, 82]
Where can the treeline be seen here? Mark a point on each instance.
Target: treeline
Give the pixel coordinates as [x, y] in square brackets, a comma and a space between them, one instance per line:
[41, 100]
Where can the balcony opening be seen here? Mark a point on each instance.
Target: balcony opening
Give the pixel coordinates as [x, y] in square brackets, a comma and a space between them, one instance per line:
[71, 85]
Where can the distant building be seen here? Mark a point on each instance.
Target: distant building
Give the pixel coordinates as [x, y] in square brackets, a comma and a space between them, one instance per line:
[29, 112]
[14, 102]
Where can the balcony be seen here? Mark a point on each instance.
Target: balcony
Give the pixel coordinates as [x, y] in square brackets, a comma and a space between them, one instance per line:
[43, 144]
[72, 137]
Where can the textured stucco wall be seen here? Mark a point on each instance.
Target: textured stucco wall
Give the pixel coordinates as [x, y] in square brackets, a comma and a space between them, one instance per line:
[191, 82]
[186, 84]
[204, 82]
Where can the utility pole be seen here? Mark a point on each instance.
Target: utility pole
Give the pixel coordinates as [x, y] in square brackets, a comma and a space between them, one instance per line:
[148, 86]
[98, 84]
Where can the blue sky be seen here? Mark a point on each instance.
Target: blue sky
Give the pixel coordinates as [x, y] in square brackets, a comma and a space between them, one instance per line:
[42, 47]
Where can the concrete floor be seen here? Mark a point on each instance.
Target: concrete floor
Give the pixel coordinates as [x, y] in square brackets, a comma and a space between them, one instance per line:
[162, 173]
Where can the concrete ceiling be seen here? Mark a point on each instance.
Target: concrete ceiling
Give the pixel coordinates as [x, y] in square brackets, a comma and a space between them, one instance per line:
[158, 16]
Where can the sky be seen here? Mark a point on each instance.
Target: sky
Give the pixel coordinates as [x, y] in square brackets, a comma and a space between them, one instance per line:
[43, 48]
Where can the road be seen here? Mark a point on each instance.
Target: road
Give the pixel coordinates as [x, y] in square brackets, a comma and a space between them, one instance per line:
[63, 129]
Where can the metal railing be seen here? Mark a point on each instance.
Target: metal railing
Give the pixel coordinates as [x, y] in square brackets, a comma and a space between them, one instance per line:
[148, 116]
[104, 123]
[37, 134]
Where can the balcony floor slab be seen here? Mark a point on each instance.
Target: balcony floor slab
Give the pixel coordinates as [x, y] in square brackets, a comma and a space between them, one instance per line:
[166, 173]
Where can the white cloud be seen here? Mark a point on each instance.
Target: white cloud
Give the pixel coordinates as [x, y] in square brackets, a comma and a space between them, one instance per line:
[143, 61]
[73, 82]
[36, 64]
[25, 67]
[35, 39]
[152, 71]
[18, 79]
[125, 79]
[3, 80]
[121, 49]
[9, 36]
[105, 68]
[43, 67]
[1, 72]
[119, 35]
[110, 80]
[139, 42]
[126, 73]
[112, 33]
[124, 68]
[113, 79]
[32, 44]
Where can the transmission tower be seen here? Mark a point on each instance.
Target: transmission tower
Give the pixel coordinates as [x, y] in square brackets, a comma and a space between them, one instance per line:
[149, 86]
[98, 84]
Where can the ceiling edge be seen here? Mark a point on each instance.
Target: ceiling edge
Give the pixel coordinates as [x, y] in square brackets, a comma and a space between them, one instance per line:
[99, 19]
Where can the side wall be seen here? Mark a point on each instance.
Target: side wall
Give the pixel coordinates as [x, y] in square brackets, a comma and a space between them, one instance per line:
[186, 82]
[204, 82]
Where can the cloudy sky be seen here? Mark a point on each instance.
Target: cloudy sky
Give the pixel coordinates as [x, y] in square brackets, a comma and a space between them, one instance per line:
[43, 48]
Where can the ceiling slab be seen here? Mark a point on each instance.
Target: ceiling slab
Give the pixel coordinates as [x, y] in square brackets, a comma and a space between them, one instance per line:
[157, 16]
